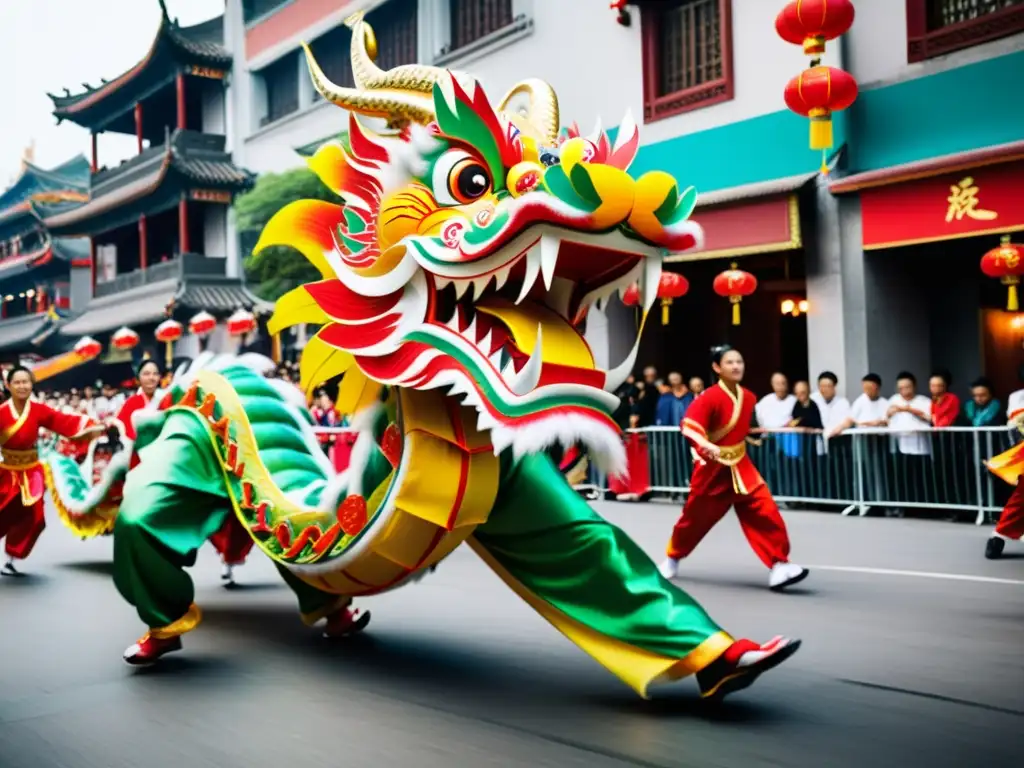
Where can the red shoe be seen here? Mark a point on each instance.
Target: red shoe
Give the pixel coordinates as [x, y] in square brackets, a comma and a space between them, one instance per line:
[741, 664]
[347, 621]
[146, 652]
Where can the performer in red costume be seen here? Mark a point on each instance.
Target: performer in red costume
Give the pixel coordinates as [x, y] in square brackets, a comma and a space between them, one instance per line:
[232, 541]
[717, 425]
[22, 480]
[1010, 467]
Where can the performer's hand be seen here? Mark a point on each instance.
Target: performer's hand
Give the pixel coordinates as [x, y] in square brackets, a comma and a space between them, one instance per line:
[712, 451]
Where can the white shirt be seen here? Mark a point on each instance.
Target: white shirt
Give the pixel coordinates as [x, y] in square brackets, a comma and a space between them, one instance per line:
[906, 424]
[1015, 405]
[834, 412]
[774, 413]
[866, 410]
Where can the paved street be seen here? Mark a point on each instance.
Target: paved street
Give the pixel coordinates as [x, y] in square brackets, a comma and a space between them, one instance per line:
[897, 669]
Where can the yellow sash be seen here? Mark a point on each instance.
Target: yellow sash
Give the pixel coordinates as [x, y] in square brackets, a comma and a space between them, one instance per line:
[19, 422]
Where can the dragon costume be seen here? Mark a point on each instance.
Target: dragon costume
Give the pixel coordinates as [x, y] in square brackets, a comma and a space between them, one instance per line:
[456, 278]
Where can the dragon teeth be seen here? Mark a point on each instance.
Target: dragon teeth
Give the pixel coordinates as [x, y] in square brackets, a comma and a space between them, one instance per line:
[532, 263]
[440, 283]
[527, 379]
[485, 343]
[501, 277]
[548, 259]
[649, 284]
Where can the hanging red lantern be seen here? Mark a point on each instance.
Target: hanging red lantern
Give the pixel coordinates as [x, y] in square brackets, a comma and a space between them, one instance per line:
[631, 297]
[202, 323]
[124, 338]
[1007, 264]
[817, 93]
[169, 331]
[734, 284]
[241, 323]
[811, 23]
[87, 348]
[671, 286]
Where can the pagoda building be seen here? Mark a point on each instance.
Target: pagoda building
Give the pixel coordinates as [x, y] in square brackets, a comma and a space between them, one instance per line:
[161, 240]
[37, 269]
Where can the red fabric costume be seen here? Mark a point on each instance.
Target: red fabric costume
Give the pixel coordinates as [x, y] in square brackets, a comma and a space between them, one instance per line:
[723, 418]
[22, 481]
[232, 541]
[637, 482]
[1011, 521]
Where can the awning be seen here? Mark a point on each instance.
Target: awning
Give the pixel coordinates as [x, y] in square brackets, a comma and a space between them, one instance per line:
[23, 332]
[753, 218]
[963, 202]
[144, 304]
[224, 295]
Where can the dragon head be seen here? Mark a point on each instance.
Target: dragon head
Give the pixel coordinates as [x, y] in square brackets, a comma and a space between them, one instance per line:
[471, 243]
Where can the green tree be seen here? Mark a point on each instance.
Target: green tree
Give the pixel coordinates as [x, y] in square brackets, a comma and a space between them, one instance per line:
[277, 270]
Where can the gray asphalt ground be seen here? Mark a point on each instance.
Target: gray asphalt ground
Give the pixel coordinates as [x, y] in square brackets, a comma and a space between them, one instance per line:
[897, 669]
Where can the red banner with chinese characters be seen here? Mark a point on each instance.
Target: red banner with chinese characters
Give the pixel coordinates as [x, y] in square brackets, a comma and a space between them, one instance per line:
[739, 229]
[982, 201]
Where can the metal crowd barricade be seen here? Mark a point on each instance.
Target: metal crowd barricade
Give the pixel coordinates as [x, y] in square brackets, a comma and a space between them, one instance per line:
[860, 470]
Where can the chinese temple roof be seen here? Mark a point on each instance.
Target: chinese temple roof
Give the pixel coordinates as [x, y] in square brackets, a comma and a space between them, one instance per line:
[50, 259]
[174, 49]
[195, 287]
[152, 182]
[19, 333]
[38, 193]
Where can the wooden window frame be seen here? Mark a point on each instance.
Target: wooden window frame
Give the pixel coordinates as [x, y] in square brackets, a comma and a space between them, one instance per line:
[923, 44]
[467, 45]
[658, 107]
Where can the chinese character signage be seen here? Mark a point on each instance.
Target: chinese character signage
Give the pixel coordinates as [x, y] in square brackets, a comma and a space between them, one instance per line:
[987, 200]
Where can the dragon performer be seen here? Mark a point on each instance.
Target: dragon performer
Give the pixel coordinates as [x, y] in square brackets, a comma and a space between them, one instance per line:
[455, 283]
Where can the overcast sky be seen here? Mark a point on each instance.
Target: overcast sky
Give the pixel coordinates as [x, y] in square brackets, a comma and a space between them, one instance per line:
[47, 45]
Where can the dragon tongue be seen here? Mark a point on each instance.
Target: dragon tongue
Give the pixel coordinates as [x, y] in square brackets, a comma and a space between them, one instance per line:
[562, 344]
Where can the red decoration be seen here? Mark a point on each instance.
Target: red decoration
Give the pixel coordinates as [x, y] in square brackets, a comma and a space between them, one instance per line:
[631, 298]
[734, 284]
[811, 23]
[623, 16]
[124, 338]
[1007, 264]
[168, 331]
[391, 444]
[352, 515]
[87, 348]
[672, 285]
[817, 93]
[202, 324]
[241, 323]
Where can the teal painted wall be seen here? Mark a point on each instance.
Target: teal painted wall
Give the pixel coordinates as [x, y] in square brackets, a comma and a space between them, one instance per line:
[978, 105]
[771, 146]
[954, 111]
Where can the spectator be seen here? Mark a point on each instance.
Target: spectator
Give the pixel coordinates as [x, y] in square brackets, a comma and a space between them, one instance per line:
[627, 395]
[775, 411]
[945, 404]
[870, 409]
[910, 412]
[325, 415]
[647, 398]
[696, 385]
[672, 405]
[835, 410]
[805, 414]
[983, 410]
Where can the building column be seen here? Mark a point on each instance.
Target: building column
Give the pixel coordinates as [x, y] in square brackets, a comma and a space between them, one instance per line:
[92, 267]
[837, 318]
[95, 152]
[143, 243]
[138, 126]
[179, 86]
[232, 247]
[238, 85]
[184, 242]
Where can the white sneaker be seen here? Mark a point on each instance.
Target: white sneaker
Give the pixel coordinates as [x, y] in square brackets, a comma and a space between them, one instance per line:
[227, 575]
[786, 575]
[669, 569]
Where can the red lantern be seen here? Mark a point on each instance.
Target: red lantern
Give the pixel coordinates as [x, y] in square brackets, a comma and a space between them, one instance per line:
[169, 331]
[811, 23]
[202, 323]
[734, 284]
[1006, 263]
[241, 323]
[817, 93]
[87, 348]
[631, 298]
[672, 285]
[124, 338]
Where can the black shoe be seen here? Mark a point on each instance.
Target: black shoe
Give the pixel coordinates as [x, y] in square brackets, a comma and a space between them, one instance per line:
[10, 570]
[994, 548]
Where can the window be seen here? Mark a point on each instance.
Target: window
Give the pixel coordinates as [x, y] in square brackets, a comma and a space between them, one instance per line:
[255, 9]
[687, 50]
[332, 52]
[472, 20]
[938, 27]
[281, 80]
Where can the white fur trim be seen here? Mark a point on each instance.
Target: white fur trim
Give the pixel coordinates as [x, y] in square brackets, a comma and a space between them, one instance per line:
[114, 471]
[604, 444]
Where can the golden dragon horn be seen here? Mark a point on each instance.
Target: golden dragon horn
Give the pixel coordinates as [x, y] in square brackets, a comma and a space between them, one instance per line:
[367, 76]
[391, 101]
[542, 110]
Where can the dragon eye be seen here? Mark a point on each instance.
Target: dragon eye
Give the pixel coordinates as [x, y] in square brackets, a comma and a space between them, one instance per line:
[459, 178]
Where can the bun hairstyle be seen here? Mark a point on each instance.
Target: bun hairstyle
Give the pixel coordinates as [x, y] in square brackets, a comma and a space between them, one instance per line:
[717, 353]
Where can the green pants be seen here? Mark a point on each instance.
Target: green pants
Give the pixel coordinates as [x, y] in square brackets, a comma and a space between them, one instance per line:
[173, 502]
